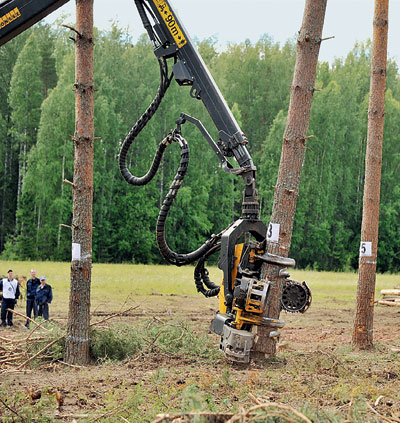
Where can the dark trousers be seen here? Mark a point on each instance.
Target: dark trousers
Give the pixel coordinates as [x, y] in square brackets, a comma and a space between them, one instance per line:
[43, 310]
[5, 304]
[31, 305]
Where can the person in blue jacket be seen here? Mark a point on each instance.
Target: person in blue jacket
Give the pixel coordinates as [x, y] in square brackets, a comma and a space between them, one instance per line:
[10, 288]
[44, 296]
[31, 287]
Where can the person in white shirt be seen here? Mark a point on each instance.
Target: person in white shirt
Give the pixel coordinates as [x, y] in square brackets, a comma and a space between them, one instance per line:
[10, 288]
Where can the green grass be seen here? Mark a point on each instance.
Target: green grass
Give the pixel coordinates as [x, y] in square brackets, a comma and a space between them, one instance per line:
[327, 285]
[130, 278]
[137, 279]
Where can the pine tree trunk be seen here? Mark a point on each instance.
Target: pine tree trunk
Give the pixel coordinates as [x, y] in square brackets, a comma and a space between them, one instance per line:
[292, 156]
[363, 323]
[37, 227]
[62, 197]
[20, 172]
[77, 341]
[3, 203]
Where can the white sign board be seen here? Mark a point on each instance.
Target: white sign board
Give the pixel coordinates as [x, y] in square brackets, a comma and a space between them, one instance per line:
[76, 251]
[273, 232]
[365, 249]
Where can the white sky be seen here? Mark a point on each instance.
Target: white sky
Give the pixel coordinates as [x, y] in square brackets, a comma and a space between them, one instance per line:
[235, 20]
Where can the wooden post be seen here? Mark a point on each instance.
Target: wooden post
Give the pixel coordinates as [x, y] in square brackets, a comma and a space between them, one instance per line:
[292, 156]
[77, 340]
[363, 323]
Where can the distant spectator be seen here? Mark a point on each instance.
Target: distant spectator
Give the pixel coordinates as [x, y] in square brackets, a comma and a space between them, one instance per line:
[31, 287]
[10, 288]
[44, 296]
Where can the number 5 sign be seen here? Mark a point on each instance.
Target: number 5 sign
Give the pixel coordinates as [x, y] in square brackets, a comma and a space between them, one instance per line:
[365, 249]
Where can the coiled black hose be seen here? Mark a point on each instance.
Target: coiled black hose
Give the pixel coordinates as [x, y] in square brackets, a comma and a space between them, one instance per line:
[201, 275]
[138, 127]
[169, 255]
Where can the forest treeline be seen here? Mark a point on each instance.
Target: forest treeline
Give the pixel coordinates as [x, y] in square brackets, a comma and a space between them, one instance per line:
[36, 150]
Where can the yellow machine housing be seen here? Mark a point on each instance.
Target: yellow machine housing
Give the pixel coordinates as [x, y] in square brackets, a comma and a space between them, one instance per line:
[256, 295]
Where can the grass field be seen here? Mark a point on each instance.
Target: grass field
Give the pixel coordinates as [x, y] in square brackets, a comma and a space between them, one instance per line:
[133, 279]
[173, 364]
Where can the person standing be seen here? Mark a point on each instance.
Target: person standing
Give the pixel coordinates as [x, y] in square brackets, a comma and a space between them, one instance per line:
[44, 296]
[31, 287]
[10, 288]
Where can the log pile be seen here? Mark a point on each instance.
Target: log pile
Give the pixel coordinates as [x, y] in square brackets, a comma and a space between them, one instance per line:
[390, 297]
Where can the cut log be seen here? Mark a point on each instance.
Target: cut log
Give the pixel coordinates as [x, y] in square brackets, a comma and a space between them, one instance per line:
[389, 303]
[390, 292]
[390, 298]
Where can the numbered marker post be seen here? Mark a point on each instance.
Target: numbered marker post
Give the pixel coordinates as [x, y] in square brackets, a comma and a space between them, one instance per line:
[273, 232]
[365, 249]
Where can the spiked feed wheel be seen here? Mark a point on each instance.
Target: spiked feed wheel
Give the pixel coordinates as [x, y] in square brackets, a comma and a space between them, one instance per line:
[296, 297]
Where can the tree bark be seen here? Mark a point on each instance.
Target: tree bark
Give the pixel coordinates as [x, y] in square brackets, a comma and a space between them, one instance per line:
[77, 341]
[292, 157]
[363, 322]
[62, 196]
[3, 228]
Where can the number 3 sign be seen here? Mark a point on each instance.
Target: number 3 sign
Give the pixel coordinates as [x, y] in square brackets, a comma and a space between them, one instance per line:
[273, 232]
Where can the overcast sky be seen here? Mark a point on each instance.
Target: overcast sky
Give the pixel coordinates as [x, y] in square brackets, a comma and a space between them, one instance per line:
[236, 20]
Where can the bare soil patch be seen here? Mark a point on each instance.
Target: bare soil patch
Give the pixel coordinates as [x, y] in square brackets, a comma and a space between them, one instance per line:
[315, 367]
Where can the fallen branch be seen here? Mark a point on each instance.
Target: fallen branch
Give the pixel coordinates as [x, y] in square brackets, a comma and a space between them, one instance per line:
[109, 413]
[254, 399]
[40, 352]
[120, 313]
[387, 419]
[167, 418]
[28, 318]
[239, 417]
[70, 365]
[349, 410]
[12, 410]
[14, 356]
[72, 416]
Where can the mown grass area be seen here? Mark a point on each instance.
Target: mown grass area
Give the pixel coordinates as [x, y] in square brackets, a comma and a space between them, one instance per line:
[133, 279]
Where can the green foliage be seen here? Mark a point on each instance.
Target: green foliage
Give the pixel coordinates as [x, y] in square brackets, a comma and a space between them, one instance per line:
[116, 343]
[122, 341]
[37, 121]
[179, 338]
[54, 334]
[41, 411]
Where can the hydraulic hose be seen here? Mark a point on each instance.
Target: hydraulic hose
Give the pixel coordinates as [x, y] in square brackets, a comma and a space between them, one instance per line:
[169, 255]
[201, 275]
[138, 127]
